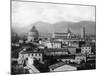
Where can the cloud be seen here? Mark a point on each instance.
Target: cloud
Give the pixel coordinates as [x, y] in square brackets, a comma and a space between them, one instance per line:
[26, 13]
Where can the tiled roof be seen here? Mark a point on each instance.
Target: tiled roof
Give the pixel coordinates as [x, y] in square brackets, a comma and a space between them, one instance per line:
[32, 51]
[56, 50]
[86, 45]
[80, 54]
[57, 65]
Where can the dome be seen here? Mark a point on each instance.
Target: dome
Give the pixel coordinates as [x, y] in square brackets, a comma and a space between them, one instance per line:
[33, 32]
[33, 29]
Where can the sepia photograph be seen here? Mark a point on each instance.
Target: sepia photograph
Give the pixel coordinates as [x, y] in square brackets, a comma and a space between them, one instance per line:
[52, 37]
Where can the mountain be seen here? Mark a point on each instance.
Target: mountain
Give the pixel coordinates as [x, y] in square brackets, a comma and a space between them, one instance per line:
[47, 29]
[76, 26]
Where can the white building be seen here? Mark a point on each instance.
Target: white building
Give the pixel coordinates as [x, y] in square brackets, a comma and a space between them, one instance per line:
[86, 49]
[56, 44]
[30, 56]
[30, 61]
[51, 44]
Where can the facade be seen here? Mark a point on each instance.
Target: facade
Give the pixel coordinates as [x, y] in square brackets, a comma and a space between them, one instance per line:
[48, 44]
[51, 44]
[28, 57]
[64, 36]
[86, 49]
[79, 58]
[56, 44]
[32, 34]
[55, 52]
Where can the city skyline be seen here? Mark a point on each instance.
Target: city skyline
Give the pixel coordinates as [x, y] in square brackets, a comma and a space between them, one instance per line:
[26, 14]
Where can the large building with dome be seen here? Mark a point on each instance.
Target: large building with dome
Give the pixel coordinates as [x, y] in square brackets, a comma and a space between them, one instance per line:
[33, 34]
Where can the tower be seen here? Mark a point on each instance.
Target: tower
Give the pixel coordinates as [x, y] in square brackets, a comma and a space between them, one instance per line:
[83, 32]
[68, 30]
[69, 33]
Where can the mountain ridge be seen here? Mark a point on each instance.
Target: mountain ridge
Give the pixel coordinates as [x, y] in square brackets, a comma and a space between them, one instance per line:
[44, 27]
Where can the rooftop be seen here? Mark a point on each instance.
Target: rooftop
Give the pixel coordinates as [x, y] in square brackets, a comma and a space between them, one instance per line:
[56, 50]
[69, 67]
[86, 45]
[32, 51]
[57, 65]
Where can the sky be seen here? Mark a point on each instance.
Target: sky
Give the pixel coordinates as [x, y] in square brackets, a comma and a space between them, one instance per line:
[26, 13]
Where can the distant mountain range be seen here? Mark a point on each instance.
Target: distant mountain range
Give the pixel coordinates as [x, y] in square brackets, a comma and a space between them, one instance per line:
[47, 29]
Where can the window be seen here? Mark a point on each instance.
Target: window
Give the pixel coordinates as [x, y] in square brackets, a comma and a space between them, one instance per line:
[35, 54]
[39, 59]
[32, 54]
[39, 54]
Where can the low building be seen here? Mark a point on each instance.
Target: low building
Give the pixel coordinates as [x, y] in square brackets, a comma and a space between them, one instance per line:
[80, 58]
[61, 66]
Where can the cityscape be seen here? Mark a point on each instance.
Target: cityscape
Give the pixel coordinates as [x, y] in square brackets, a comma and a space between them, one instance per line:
[44, 47]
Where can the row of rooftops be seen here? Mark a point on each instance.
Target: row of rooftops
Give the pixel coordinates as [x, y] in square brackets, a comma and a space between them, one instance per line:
[44, 50]
[29, 50]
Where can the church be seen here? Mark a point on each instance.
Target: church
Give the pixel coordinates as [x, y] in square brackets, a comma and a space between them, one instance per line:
[33, 34]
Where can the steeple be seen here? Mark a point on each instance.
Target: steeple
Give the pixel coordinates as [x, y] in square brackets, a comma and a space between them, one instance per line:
[68, 30]
[83, 32]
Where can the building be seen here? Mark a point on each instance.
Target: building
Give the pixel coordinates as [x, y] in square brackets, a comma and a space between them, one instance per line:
[83, 32]
[56, 44]
[55, 52]
[86, 49]
[80, 58]
[48, 44]
[28, 56]
[91, 59]
[51, 44]
[64, 36]
[32, 34]
[40, 46]
[21, 41]
[75, 44]
[61, 66]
